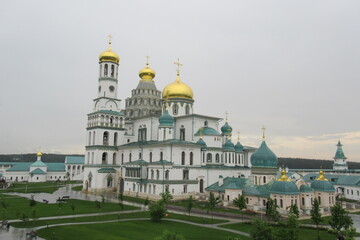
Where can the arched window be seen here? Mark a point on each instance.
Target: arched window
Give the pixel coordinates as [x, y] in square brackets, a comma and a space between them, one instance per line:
[217, 158]
[106, 70]
[182, 133]
[303, 201]
[157, 174]
[140, 155]
[175, 109]
[167, 174]
[104, 158]
[187, 110]
[152, 174]
[115, 138]
[281, 203]
[183, 158]
[100, 70]
[206, 123]
[209, 157]
[114, 159]
[89, 138]
[201, 185]
[185, 174]
[109, 181]
[150, 157]
[129, 157]
[319, 198]
[191, 158]
[255, 180]
[161, 156]
[264, 179]
[94, 138]
[112, 70]
[106, 138]
[122, 158]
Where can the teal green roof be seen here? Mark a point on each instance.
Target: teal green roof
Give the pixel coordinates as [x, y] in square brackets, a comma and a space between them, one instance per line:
[38, 171]
[226, 129]
[137, 162]
[339, 152]
[258, 190]
[336, 179]
[322, 186]
[161, 162]
[305, 188]
[75, 160]
[239, 147]
[56, 167]
[38, 163]
[166, 120]
[207, 131]
[284, 187]
[20, 167]
[106, 170]
[229, 146]
[202, 143]
[264, 157]
[228, 183]
[25, 167]
[110, 112]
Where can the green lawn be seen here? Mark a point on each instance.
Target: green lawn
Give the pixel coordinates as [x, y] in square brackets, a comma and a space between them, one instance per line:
[114, 217]
[133, 230]
[25, 187]
[77, 188]
[134, 199]
[16, 207]
[324, 222]
[304, 233]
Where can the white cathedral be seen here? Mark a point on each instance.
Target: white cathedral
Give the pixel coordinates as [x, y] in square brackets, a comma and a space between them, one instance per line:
[157, 142]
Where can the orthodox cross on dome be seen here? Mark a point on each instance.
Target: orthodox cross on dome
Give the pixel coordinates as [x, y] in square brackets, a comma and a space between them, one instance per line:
[147, 60]
[178, 66]
[110, 37]
[263, 128]
[226, 116]
[201, 133]
[239, 136]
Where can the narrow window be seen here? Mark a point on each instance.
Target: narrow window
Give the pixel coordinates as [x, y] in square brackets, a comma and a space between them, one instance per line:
[209, 157]
[183, 158]
[150, 157]
[106, 70]
[175, 109]
[106, 138]
[161, 156]
[112, 70]
[182, 134]
[115, 138]
[114, 158]
[191, 158]
[104, 158]
[129, 157]
[122, 158]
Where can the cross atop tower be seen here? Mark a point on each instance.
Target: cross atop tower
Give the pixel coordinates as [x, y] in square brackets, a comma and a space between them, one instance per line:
[110, 37]
[239, 136]
[226, 116]
[178, 66]
[147, 60]
[263, 128]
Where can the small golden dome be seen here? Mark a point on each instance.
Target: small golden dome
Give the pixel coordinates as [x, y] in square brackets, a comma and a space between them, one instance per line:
[109, 55]
[39, 154]
[177, 89]
[147, 74]
[283, 177]
[321, 176]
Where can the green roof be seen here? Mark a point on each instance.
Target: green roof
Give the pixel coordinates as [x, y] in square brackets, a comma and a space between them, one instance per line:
[239, 147]
[38, 163]
[106, 170]
[322, 186]
[339, 152]
[284, 187]
[166, 120]
[137, 162]
[75, 160]
[264, 157]
[226, 128]
[207, 131]
[153, 142]
[228, 183]
[258, 190]
[25, 167]
[305, 188]
[109, 112]
[38, 171]
[56, 167]
[229, 146]
[161, 162]
[336, 179]
[202, 143]
[20, 167]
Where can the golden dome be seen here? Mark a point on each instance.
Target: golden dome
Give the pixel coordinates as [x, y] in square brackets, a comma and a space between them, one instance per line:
[147, 74]
[109, 55]
[177, 89]
[39, 154]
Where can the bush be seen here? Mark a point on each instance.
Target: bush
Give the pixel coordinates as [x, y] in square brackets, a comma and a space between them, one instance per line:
[157, 211]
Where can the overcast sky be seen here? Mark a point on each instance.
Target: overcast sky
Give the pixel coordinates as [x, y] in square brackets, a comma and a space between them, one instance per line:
[292, 66]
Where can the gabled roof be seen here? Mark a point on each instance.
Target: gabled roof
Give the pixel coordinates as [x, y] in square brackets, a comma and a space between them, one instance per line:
[38, 171]
[137, 162]
[20, 167]
[38, 163]
[228, 183]
[74, 159]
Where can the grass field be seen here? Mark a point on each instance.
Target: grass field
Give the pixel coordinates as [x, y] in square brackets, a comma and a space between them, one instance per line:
[16, 208]
[114, 217]
[77, 188]
[24, 187]
[304, 233]
[324, 222]
[133, 230]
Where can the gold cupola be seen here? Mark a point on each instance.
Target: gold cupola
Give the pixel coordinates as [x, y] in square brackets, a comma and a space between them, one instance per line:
[147, 74]
[109, 55]
[177, 89]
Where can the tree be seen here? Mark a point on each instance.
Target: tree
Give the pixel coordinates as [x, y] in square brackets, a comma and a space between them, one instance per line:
[316, 215]
[121, 205]
[157, 211]
[272, 210]
[102, 198]
[32, 201]
[212, 203]
[294, 210]
[261, 230]
[97, 204]
[189, 204]
[146, 202]
[288, 230]
[340, 218]
[166, 197]
[166, 235]
[240, 203]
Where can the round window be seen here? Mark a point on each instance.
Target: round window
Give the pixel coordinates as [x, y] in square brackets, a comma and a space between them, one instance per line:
[112, 88]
